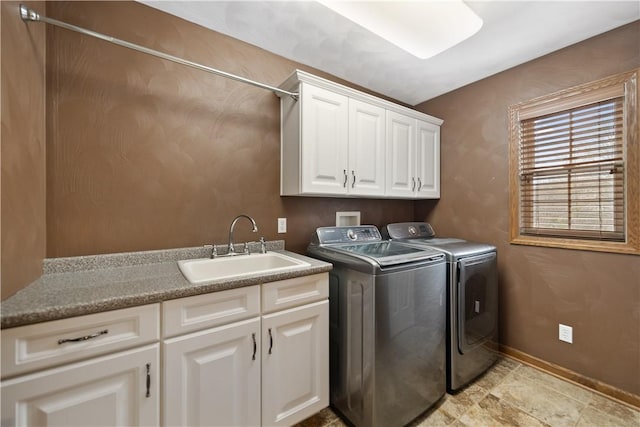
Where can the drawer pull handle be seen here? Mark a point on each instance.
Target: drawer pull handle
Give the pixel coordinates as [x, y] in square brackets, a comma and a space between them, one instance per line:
[353, 183]
[270, 341]
[413, 187]
[344, 184]
[84, 338]
[255, 346]
[419, 184]
[148, 380]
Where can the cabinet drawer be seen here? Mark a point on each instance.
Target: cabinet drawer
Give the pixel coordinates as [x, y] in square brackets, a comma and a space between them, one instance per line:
[293, 292]
[198, 312]
[43, 345]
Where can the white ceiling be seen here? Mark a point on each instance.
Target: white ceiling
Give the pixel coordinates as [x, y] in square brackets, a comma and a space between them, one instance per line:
[513, 32]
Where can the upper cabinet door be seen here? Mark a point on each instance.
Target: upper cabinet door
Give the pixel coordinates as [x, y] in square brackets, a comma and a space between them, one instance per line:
[428, 160]
[366, 149]
[401, 141]
[324, 136]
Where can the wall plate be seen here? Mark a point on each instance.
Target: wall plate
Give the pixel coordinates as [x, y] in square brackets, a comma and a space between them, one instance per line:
[346, 219]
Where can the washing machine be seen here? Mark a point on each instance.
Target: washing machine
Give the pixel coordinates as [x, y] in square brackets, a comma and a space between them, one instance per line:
[472, 299]
[387, 326]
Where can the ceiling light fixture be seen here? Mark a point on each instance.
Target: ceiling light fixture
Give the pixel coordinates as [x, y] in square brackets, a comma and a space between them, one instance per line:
[421, 28]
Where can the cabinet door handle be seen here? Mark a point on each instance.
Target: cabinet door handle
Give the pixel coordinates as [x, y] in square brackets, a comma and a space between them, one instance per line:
[353, 183]
[84, 338]
[346, 177]
[413, 187]
[270, 341]
[255, 346]
[419, 184]
[148, 380]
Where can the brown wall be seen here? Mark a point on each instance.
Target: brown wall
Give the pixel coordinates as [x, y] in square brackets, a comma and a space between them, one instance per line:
[147, 154]
[596, 293]
[22, 156]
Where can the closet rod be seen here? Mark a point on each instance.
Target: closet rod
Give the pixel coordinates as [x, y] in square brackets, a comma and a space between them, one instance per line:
[31, 15]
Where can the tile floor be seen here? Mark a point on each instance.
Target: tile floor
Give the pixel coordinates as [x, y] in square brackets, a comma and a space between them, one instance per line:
[513, 394]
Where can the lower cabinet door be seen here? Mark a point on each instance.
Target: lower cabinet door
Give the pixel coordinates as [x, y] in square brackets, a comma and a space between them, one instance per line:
[120, 389]
[212, 377]
[295, 363]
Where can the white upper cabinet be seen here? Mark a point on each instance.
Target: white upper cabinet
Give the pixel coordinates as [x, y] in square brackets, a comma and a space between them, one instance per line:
[340, 142]
[413, 158]
[401, 157]
[343, 149]
[427, 160]
[324, 130]
[366, 149]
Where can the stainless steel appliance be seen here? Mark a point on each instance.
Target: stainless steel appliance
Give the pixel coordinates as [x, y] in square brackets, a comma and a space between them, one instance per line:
[387, 325]
[472, 299]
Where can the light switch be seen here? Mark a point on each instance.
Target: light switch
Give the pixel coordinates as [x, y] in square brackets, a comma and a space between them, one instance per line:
[282, 225]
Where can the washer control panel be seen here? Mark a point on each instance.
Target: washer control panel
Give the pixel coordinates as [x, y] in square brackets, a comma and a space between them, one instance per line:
[408, 230]
[361, 233]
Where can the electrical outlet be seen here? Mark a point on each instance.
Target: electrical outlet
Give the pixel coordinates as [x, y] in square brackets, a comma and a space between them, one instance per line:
[565, 333]
[282, 225]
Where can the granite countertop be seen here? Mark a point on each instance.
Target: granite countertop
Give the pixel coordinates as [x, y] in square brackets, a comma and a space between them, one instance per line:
[91, 284]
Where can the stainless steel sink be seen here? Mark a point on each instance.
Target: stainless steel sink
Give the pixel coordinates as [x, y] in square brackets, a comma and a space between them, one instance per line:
[204, 269]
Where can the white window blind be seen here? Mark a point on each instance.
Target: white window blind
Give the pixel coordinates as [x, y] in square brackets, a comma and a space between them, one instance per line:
[571, 170]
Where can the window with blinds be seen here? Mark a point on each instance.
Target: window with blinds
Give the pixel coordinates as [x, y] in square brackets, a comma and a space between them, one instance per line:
[575, 168]
[571, 172]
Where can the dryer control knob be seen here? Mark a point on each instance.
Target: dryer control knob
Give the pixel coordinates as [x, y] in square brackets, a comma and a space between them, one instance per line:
[352, 235]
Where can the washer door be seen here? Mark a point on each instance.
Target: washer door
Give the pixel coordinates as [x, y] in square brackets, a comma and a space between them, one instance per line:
[477, 300]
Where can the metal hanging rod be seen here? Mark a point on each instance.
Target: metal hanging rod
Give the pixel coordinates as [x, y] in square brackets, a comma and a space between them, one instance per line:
[31, 15]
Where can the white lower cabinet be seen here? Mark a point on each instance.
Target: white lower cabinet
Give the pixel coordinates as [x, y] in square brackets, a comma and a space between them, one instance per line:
[95, 370]
[250, 356]
[295, 364]
[212, 377]
[119, 389]
[270, 369]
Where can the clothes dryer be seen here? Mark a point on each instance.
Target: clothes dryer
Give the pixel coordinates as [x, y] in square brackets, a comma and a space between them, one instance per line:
[472, 299]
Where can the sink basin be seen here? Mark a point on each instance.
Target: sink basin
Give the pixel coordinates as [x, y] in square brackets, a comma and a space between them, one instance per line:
[205, 269]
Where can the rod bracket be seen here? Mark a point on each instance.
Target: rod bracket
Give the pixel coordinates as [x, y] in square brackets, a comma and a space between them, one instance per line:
[28, 14]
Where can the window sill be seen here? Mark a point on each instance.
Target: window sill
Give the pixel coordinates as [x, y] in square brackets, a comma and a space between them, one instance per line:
[578, 244]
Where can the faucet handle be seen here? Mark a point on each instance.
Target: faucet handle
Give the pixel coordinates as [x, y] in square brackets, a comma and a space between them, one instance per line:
[214, 252]
[263, 246]
[246, 249]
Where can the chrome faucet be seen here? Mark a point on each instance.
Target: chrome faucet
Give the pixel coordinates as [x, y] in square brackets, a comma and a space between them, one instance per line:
[232, 250]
